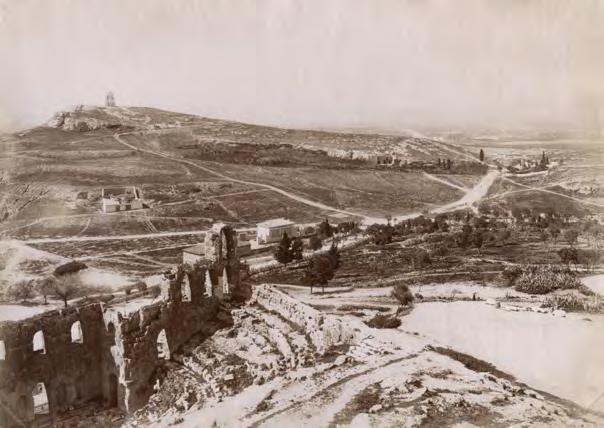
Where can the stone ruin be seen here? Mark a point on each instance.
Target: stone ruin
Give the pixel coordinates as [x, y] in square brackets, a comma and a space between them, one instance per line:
[103, 354]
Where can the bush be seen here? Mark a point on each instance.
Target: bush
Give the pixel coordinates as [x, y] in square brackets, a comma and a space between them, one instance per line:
[69, 268]
[574, 303]
[545, 279]
[140, 285]
[21, 291]
[402, 294]
[511, 274]
[384, 321]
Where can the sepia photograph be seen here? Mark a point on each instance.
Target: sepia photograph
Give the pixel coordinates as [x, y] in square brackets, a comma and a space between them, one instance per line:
[301, 213]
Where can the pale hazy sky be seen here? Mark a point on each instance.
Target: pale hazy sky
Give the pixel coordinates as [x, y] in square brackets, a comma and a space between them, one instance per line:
[311, 63]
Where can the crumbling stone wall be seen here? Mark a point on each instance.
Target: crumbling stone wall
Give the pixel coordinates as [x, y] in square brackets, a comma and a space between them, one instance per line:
[116, 361]
[137, 346]
[324, 330]
[71, 372]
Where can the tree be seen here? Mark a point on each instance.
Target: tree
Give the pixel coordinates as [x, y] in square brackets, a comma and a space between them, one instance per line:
[402, 294]
[571, 236]
[297, 249]
[543, 162]
[45, 287]
[319, 271]
[315, 243]
[421, 259]
[478, 240]
[70, 286]
[381, 233]
[283, 252]
[334, 255]
[325, 230]
[553, 231]
[481, 155]
[568, 255]
[21, 290]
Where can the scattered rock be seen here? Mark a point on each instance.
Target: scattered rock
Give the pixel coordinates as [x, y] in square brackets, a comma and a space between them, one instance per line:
[376, 408]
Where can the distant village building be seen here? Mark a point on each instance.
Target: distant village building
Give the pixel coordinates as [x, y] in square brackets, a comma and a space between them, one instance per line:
[121, 199]
[339, 218]
[382, 159]
[110, 99]
[272, 230]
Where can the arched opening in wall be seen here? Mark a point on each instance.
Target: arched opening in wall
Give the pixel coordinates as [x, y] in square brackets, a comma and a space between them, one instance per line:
[38, 342]
[112, 398]
[76, 333]
[111, 333]
[2, 351]
[226, 287]
[185, 289]
[208, 284]
[40, 399]
[163, 350]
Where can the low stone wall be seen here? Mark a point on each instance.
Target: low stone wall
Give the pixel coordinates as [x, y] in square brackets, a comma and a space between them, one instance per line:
[324, 330]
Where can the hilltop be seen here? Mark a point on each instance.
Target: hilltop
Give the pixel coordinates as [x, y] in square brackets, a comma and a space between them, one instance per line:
[194, 171]
[207, 130]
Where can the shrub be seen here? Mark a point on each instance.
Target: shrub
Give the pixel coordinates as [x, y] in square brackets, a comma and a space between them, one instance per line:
[545, 279]
[574, 303]
[21, 291]
[384, 321]
[140, 285]
[511, 274]
[69, 268]
[440, 251]
[402, 294]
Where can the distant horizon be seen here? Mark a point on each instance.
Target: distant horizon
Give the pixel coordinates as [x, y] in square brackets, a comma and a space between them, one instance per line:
[464, 65]
[432, 132]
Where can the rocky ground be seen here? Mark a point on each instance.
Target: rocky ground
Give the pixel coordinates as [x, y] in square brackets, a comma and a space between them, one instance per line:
[266, 370]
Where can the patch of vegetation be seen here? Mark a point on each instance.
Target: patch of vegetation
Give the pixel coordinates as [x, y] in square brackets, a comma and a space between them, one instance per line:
[575, 303]
[545, 279]
[384, 321]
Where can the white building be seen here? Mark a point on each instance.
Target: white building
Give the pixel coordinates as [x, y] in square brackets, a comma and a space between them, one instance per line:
[272, 230]
[121, 199]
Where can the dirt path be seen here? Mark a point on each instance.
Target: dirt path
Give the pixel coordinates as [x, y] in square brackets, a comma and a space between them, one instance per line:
[236, 180]
[445, 182]
[113, 238]
[538, 189]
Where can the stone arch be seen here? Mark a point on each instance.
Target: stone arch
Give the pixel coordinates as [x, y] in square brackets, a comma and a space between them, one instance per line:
[2, 351]
[185, 289]
[163, 349]
[76, 333]
[39, 345]
[111, 332]
[40, 398]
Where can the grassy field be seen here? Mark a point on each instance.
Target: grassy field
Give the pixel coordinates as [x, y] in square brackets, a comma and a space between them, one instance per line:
[180, 196]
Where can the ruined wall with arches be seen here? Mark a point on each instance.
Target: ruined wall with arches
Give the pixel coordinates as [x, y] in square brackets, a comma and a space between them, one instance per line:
[99, 353]
[42, 350]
